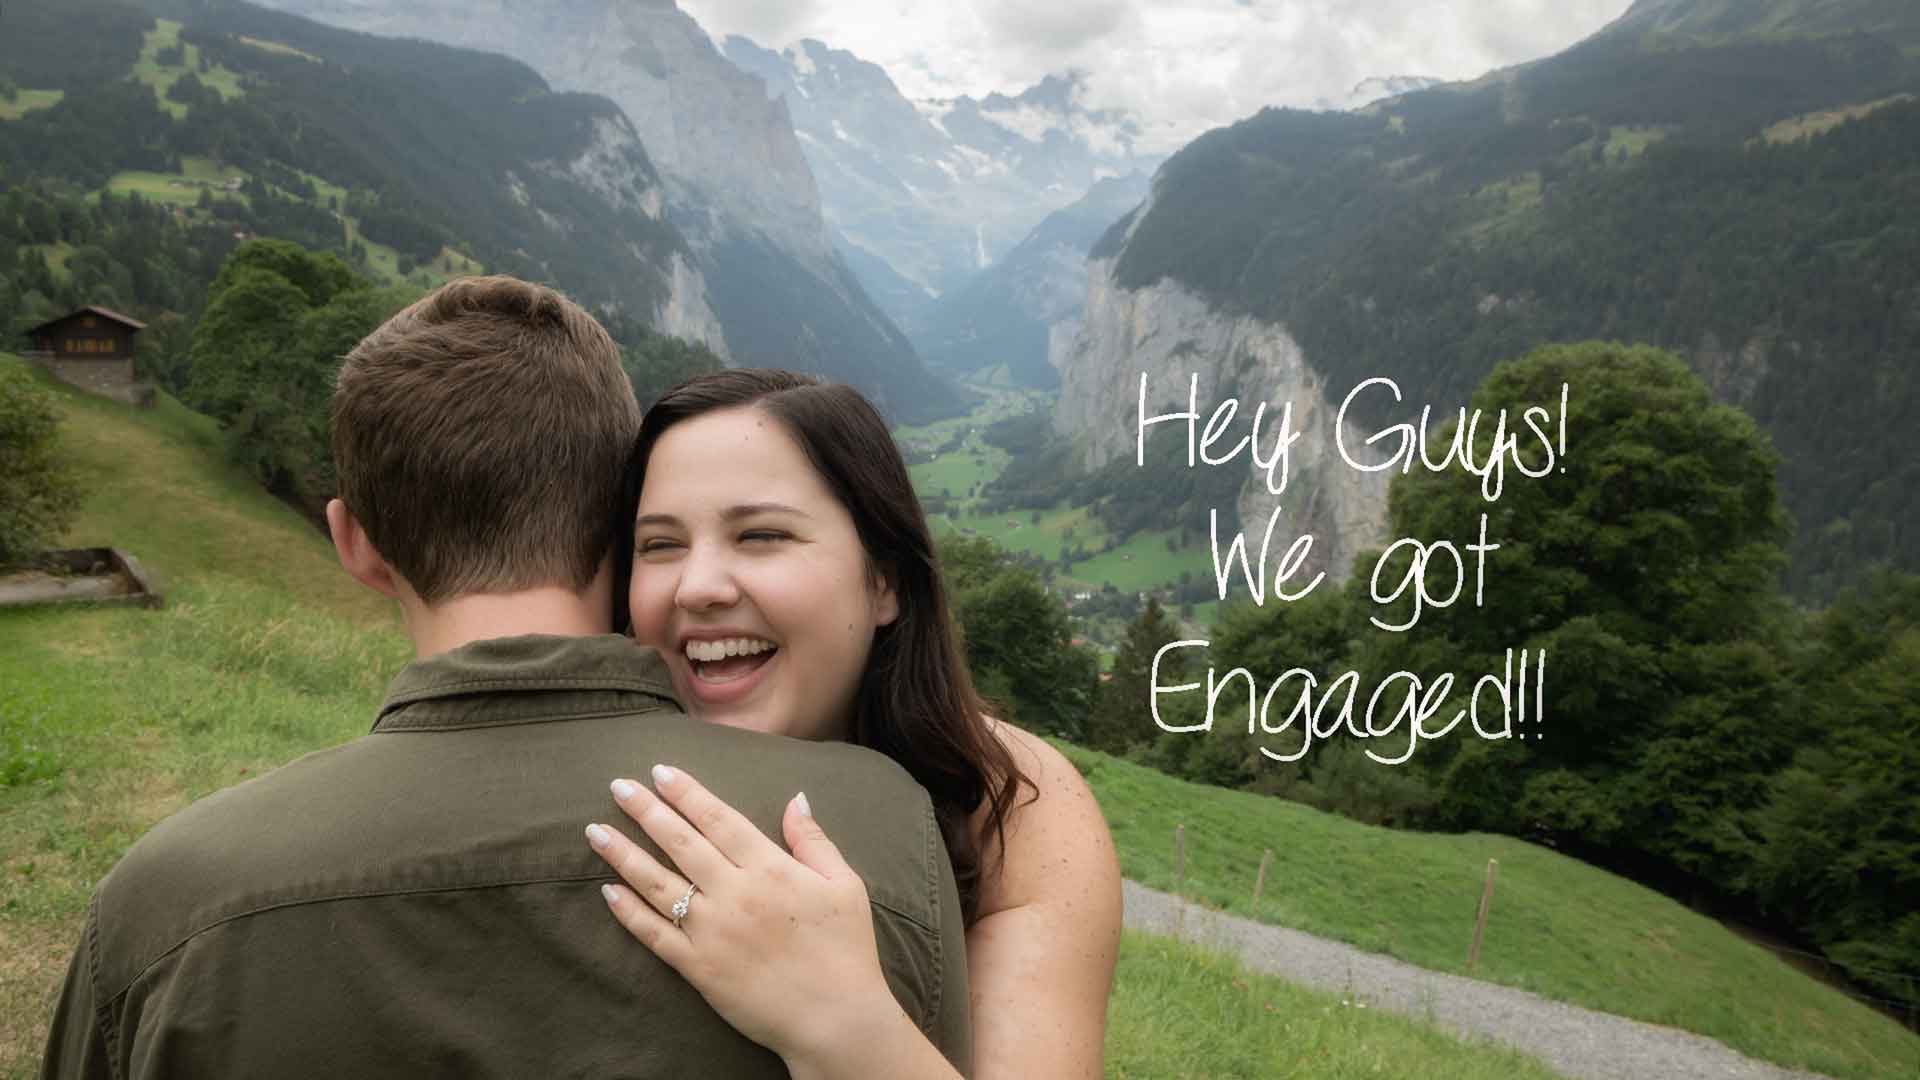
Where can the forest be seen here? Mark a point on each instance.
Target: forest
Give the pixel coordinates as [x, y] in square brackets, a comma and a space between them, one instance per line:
[1429, 239]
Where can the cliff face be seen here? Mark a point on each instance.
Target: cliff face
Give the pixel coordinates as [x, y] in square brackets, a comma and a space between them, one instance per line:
[938, 190]
[1007, 313]
[1171, 334]
[737, 186]
[615, 167]
[709, 127]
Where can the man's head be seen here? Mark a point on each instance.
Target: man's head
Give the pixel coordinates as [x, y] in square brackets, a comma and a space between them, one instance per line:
[479, 437]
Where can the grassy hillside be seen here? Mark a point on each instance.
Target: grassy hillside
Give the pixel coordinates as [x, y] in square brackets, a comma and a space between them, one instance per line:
[1558, 927]
[112, 719]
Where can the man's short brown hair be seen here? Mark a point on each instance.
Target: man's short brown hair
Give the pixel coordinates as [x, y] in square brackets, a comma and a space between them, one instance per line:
[479, 437]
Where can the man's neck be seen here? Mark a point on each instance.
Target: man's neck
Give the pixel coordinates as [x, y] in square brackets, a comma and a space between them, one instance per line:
[477, 617]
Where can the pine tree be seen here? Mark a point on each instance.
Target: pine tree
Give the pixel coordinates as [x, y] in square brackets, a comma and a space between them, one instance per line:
[1122, 714]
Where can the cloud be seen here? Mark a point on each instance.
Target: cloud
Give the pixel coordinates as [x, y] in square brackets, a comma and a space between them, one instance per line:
[1181, 66]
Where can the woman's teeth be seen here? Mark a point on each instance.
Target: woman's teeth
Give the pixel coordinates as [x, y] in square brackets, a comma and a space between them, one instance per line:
[709, 651]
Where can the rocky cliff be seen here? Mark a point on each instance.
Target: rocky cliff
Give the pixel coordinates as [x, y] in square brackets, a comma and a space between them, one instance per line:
[737, 185]
[614, 165]
[1007, 313]
[1171, 334]
[938, 190]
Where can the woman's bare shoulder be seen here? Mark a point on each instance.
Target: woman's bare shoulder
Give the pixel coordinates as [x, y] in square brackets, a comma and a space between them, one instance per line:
[1041, 955]
[1057, 847]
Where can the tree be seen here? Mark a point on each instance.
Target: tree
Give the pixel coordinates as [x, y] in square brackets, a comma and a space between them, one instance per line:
[656, 363]
[38, 494]
[1122, 716]
[1647, 567]
[264, 355]
[1839, 837]
[1018, 639]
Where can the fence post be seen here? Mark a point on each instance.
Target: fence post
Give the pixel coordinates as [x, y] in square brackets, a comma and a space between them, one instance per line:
[1260, 881]
[1480, 920]
[1179, 858]
[1179, 881]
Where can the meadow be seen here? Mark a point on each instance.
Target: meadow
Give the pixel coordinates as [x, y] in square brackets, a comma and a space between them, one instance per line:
[111, 719]
[1558, 927]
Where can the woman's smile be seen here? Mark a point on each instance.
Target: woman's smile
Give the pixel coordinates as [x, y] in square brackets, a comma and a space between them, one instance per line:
[750, 577]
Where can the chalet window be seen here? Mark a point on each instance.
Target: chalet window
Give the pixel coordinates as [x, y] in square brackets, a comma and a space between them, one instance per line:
[70, 345]
[87, 322]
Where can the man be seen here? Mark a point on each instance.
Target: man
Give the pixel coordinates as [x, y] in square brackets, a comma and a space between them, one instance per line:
[420, 901]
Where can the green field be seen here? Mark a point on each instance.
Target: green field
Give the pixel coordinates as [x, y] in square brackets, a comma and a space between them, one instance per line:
[25, 101]
[1634, 140]
[182, 188]
[1143, 563]
[277, 47]
[1559, 927]
[1178, 1011]
[148, 69]
[1811, 124]
[111, 719]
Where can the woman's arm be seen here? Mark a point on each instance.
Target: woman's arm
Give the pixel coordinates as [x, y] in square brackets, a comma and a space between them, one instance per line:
[782, 946]
[785, 949]
[1040, 958]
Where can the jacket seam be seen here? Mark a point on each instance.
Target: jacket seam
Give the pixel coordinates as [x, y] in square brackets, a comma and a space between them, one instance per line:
[103, 1012]
[506, 720]
[939, 940]
[604, 682]
[363, 894]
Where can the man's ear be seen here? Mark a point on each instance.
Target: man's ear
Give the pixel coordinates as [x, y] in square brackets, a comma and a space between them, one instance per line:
[357, 552]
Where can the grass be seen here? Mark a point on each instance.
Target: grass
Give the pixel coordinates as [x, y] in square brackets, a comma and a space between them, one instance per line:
[1143, 562]
[1181, 1011]
[148, 69]
[25, 101]
[1505, 205]
[277, 47]
[182, 188]
[1810, 124]
[1558, 927]
[57, 255]
[1634, 140]
[111, 719]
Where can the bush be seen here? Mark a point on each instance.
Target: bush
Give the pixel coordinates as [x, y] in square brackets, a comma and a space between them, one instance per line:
[38, 494]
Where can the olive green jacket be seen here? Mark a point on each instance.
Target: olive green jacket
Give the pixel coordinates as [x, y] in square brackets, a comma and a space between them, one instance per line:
[421, 901]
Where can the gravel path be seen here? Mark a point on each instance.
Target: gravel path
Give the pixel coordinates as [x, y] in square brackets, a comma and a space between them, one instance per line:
[1575, 1041]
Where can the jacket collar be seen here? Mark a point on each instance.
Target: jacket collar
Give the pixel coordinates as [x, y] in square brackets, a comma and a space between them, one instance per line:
[517, 679]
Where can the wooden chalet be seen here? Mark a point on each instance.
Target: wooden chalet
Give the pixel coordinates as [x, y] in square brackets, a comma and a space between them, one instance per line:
[91, 333]
[91, 348]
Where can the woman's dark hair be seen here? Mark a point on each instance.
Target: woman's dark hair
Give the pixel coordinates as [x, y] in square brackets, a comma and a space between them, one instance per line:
[916, 702]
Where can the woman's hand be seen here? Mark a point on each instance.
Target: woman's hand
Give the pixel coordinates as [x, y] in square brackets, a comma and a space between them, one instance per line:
[780, 945]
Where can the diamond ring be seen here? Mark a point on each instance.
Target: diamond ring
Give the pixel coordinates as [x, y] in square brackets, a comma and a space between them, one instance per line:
[681, 905]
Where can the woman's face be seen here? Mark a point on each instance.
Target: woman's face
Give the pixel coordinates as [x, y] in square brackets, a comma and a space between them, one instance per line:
[750, 578]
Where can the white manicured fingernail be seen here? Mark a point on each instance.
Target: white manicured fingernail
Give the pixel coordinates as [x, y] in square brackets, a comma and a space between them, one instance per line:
[611, 895]
[662, 775]
[625, 789]
[598, 836]
[805, 810]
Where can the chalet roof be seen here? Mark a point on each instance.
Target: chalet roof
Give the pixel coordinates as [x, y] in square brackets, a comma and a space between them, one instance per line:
[92, 309]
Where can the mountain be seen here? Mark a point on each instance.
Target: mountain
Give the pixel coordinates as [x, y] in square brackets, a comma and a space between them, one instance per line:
[1007, 313]
[938, 190]
[737, 184]
[1367, 91]
[1710, 21]
[394, 154]
[1730, 181]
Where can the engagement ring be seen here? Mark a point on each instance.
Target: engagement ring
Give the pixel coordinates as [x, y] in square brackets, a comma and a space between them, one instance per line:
[681, 905]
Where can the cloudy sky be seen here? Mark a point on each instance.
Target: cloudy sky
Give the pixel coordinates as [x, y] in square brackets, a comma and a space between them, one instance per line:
[1182, 65]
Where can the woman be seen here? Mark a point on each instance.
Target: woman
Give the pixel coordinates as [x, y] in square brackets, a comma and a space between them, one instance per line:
[783, 567]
